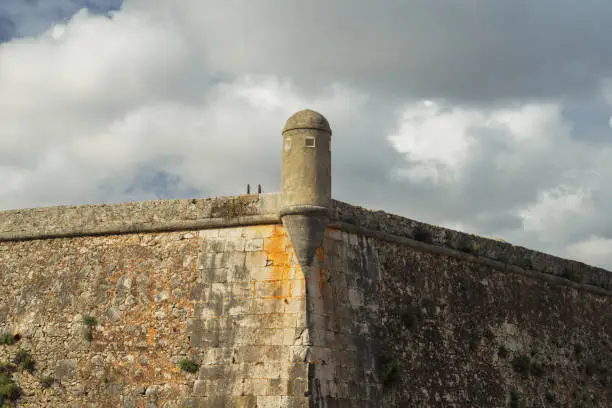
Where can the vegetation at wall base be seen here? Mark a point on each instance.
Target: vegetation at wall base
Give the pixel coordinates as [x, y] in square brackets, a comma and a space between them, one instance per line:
[188, 365]
[521, 364]
[469, 246]
[515, 399]
[412, 316]
[422, 234]
[89, 321]
[389, 371]
[7, 338]
[9, 389]
[524, 366]
[475, 342]
[46, 381]
[24, 360]
[572, 275]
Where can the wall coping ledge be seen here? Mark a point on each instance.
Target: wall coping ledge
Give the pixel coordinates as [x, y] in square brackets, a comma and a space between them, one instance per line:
[258, 209]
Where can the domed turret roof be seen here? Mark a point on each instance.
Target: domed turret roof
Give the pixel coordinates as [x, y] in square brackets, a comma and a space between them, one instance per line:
[307, 119]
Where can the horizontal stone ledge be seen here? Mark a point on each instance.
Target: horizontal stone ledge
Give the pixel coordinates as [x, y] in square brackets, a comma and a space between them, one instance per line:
[274, 218]
[134, 228]
[445, 251]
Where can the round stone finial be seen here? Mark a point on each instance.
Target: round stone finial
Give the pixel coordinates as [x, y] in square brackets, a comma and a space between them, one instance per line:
[307, 119]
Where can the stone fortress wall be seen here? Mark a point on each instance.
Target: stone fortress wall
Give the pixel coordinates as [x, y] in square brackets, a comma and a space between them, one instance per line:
[167, 280]
[249, 302]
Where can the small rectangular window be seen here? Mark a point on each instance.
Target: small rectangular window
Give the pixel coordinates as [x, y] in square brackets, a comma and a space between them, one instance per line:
[310, 142]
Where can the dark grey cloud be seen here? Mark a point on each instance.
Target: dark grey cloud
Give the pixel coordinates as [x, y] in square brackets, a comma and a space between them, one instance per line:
[7, 28]
[472, 50]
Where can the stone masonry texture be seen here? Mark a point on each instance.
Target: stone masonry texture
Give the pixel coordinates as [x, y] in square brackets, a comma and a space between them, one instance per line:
[111, 300]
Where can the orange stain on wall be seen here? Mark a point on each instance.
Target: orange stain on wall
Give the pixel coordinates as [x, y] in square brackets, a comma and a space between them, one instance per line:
[275, 248]
[151, 333]
[279, 251]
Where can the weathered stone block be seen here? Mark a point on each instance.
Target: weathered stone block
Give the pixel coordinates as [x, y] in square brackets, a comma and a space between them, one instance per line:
[255, 386]
[275, 289]
[278, 386]
[209, 233]
[297, 402]
[217, 355]
[235, 244]
[298, 353]
[242, 290]
[239, 307]
[260, 231]
[254, 244]
[213, 245]
[299, 386]
[232, 232]
[65, 369]
[295, 305]
[199, 388]
[276, 321]
[256, 260]
[271, 402]
[210, 260]
[239, 273]
[272, 305]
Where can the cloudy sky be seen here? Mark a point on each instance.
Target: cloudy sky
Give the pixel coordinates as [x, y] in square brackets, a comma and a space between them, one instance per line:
[485, 116]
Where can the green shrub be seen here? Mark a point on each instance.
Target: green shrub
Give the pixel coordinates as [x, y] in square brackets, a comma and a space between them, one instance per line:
[503, 257]
[9, 390]
[389, 371]
[24, 360]
[422, 234]
[412, 316]
[526, 264]
[188, 365]
[7, 338]
[578, 349]
[6, 368]
[524, 366]
[474, 342]
[521, 364]
[46, 381]
[469, 246]
[571, 275]
[592, 367]
[89, 321]
[515, 399]
[536, 369]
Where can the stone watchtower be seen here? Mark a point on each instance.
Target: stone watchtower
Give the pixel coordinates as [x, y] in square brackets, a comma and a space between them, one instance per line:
[306, 182]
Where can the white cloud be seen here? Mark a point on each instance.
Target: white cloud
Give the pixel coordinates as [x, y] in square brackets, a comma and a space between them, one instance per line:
[475, 166]
[438, 140]
[594, 250]
[555, 211]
